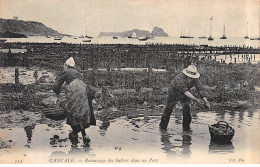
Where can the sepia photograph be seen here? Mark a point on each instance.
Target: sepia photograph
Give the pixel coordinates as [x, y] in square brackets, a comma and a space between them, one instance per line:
[129, 82]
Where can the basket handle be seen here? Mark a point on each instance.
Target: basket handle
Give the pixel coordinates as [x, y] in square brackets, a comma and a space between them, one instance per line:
[223, 122]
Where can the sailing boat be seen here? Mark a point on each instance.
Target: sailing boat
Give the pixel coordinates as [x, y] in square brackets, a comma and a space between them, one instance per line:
[223, 37]
[87, 34]
[203, 37]
[210, 35]
[259, 31]
[185, 36]
[246, 37]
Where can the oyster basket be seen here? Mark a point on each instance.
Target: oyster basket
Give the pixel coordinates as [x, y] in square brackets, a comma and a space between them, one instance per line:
[221, 132]
[55, 113]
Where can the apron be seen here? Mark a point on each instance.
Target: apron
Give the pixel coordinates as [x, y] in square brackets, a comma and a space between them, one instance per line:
[77, 104]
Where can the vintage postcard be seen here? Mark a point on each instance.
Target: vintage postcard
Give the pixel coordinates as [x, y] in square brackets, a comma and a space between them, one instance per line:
[129, 81]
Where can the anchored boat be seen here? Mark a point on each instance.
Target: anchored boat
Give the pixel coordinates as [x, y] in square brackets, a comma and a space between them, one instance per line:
[246, 37]
[185, 36]
[87, 40]
[87, 34]
[223, 37]
[210, 36]
[143, 39]
[58, 38]
[203, 37]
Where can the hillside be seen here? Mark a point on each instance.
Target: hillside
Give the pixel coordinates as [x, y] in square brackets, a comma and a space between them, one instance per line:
[27, 28]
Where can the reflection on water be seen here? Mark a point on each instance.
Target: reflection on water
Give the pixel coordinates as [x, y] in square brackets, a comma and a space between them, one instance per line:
[166, 40]
[220, 148]
[178, 147]
[29, 131]
[104, 126]
[74, 155]
[241, 117]
[141, 135]
[168, 147]
[186, 142]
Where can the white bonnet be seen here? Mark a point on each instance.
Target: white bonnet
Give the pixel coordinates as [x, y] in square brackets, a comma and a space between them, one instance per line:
[70, 62]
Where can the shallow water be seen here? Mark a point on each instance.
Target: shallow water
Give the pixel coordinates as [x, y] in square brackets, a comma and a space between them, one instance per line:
[255, 59]
[164, 40]
[139, 140]
[26, 76]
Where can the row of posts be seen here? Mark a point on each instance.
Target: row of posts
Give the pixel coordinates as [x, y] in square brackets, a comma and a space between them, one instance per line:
[16, 76]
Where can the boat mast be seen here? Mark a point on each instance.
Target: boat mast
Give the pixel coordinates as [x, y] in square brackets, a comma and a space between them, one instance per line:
[247, 28]
[211, 21]
[259, 20]
[224, 30]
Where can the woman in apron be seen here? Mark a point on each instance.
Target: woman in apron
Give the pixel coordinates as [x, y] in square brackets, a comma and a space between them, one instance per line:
[78, 101]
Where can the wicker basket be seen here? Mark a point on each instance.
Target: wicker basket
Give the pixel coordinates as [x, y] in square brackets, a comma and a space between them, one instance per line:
[221, 132]
[55, 113]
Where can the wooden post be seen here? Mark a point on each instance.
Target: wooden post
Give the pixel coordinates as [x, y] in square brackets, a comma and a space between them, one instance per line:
[86, 65]
[126, 80]
[92, 61]
[82, 65]
[134, 61]
[177, 62]
[119, 62]
[108, 63]
[149, 75]
[35, 75]
[16, 76]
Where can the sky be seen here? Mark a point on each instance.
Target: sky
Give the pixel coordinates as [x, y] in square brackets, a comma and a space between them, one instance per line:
[191, 17]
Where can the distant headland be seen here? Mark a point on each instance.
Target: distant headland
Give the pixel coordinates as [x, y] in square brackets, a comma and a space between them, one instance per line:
[11, 28]
[156, 32]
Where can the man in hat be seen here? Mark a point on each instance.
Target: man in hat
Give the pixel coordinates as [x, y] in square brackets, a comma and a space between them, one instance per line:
[179, 91]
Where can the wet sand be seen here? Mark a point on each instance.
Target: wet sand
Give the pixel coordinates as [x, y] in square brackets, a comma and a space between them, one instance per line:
[124, 140]
[32, 138]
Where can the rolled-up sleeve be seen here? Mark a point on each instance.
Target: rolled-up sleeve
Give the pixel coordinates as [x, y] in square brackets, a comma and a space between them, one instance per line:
[199, 87]
[58, 83]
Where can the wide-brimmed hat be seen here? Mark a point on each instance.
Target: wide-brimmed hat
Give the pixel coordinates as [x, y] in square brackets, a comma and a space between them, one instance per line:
[191, 71]
[70, 62]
